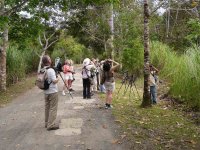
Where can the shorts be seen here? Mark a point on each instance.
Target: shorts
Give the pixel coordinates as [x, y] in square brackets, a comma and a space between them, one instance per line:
[109, 86]
[68, 76]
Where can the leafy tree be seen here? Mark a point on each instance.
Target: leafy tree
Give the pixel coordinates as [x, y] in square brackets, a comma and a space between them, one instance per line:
[194, 34]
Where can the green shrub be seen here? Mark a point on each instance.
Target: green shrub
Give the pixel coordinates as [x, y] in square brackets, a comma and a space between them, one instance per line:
[16, 65]
[182, 71]
[132, 57]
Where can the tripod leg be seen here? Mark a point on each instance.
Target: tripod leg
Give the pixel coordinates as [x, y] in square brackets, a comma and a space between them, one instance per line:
[137, 91]
[119, 90]
[130, 92]
[65, 85]
[126, 88]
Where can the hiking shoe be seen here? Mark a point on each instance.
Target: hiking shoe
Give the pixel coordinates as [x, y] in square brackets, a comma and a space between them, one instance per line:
[63, 93]
[110, 106]
[71, 90]
[106, 106]
[53, 128]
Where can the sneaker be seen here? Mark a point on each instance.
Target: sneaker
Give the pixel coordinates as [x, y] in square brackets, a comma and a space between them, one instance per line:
[106, 106]
[63, 93]
[71, 90]
[110, 106]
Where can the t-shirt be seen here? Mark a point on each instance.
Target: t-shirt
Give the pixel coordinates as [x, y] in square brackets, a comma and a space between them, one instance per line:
[152, 79]
[51, 75]
[66, 69]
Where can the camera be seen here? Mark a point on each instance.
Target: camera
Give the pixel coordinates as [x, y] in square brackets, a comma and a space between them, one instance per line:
[58, 65]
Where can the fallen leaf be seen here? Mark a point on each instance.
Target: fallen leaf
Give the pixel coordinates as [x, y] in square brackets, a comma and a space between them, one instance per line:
[138, 142]
[190, 141]
[115, 141]
[118, 121]
[104, 126]
[123, 136]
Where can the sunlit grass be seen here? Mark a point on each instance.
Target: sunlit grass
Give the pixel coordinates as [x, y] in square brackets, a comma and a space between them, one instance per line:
[157, 126]
[181, 71]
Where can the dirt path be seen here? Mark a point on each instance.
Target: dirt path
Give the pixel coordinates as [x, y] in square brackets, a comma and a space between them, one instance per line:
[84, 124]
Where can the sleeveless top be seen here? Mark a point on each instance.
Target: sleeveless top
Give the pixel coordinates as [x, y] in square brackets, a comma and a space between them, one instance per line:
[108, 76]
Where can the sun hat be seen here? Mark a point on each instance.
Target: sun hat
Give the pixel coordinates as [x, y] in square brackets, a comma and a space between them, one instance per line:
[86, 61]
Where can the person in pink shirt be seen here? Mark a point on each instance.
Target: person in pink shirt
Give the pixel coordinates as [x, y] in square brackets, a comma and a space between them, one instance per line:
[67, 76]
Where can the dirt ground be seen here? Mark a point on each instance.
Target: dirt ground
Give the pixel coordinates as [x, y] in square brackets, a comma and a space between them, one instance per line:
[84, 124]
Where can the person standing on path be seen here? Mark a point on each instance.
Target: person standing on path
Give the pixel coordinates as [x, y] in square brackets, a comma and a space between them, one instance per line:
[51, 95]
[108, 80]
[86, 74]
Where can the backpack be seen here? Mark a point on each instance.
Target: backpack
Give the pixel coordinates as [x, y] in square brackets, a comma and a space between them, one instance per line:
[42, 80]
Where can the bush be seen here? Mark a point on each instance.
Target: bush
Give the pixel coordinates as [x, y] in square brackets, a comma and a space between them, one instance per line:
[183, 71]
[132, 57]
[19, 63]
[16, 65]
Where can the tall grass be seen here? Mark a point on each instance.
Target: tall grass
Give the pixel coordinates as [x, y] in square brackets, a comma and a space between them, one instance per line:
[183, 71]
[19, 63]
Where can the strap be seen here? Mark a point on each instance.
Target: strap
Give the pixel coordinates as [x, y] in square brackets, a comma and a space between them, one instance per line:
[46, 73]
[86, 71]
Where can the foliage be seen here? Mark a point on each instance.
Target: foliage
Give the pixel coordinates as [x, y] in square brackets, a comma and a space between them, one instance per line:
[19, 63]
[16, 65]
[182, 71]
[67, 47]
[194, 34]
[159, 127]
[132, 57]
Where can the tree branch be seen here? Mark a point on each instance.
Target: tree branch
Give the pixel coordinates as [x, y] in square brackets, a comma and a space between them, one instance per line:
[40, 41]
[46, 40]
[14, 8]
[51, 44]
[51, 36]
[160, 5]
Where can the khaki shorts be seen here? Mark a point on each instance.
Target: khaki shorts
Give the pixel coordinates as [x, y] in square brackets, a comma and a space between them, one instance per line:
[68, 76]
[109, 86]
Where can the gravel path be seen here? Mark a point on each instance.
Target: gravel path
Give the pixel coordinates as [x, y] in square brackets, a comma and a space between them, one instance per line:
[84, 124]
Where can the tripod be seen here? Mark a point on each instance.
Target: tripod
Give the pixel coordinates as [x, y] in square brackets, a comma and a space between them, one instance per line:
[130, 80]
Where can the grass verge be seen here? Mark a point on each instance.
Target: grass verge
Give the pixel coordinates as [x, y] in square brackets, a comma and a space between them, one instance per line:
[16, 89]
[153, 128]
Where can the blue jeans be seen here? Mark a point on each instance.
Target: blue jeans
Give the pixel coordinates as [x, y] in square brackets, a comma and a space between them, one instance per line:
[153, 93]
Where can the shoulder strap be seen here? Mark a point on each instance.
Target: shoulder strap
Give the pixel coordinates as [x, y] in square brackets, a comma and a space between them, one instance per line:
[46, 73]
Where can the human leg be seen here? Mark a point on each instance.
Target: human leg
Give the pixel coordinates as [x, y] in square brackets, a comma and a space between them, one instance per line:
[47, 107]
[53, 99]
[153, 94]
[88, 88]
[84, 88]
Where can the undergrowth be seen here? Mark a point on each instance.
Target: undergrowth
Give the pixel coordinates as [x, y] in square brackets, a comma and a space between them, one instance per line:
[181, 71]
[153, 128]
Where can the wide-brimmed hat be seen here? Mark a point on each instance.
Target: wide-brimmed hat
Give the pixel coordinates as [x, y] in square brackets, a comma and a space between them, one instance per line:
[86, 61]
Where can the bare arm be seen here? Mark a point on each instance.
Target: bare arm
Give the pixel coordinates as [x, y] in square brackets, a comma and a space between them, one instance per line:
[116, 66]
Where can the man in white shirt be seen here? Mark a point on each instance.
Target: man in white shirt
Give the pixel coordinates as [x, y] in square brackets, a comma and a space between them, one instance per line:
[51, 95]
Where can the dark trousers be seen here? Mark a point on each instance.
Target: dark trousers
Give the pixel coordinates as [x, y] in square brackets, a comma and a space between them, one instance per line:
[86, 88]
[98, 80]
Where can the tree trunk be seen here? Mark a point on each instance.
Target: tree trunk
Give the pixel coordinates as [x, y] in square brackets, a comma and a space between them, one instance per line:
[40, 63]
[111, 24]
[3, 60]
[146, 93]
[3, 48]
